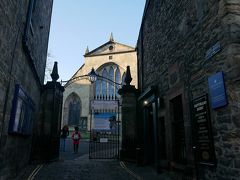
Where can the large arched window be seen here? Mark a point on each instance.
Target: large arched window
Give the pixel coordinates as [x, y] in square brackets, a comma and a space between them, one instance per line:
[117, 80]
[118, 76]
[104, 83]
[111, 85]
[74, 113]
[104, 88]
[72, 110]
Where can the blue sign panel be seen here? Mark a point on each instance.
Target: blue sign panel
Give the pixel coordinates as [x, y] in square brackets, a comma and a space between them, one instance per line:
[103, 121]
[217, 90]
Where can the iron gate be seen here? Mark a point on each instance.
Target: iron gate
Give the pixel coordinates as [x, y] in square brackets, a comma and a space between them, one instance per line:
[104, 129]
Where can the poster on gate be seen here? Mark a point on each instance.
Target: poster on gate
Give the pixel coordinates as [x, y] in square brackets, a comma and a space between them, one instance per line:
[110, 105]
[103, 121]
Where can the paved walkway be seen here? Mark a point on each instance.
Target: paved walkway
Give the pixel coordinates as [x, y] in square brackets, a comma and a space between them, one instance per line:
[78, 166]
[84, 169]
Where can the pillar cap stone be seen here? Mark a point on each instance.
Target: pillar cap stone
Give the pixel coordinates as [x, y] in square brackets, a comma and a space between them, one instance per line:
[54, 73]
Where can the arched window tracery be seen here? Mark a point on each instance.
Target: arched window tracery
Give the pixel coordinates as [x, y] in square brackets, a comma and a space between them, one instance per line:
[73, 107]
[111, 85]
[98, 88]
[104, 88]
[118, 76]
[104, 83]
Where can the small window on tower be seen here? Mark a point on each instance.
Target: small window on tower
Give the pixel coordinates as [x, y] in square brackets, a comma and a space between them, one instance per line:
[110, 57]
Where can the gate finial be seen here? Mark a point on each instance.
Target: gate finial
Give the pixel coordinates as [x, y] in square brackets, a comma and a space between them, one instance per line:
[128, 77]
[54, 73]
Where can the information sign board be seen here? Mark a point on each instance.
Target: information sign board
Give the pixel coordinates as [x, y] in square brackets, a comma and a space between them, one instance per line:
[203, 131]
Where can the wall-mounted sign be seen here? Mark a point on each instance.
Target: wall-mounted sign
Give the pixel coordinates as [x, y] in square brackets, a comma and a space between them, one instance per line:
[21, 113]
[217, 90]
[213, 50]
[203, 131]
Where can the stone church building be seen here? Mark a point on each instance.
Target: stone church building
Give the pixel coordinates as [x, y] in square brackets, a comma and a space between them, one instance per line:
[109, 61]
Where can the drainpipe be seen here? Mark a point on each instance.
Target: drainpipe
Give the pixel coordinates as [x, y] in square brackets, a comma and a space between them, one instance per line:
[28, 23]
[25, 40]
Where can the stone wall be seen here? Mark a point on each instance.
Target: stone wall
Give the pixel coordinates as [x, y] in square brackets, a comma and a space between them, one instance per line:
[17, 66]
[172, 46]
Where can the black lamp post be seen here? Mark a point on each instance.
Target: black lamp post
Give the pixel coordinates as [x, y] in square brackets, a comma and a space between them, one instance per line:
[92, 76]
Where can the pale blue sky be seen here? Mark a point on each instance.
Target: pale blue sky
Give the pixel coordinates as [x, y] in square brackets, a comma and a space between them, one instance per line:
[77, 24]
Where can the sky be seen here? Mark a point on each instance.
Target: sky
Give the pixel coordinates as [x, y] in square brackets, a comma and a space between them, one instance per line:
[77, 24]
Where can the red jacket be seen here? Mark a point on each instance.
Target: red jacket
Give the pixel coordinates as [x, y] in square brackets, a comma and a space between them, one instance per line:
[76, 136]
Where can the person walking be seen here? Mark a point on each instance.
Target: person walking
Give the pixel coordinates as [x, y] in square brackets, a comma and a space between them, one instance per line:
[76, 136]
[63, 136]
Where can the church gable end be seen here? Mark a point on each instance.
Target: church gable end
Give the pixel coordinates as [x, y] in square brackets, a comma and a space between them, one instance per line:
[110, 48]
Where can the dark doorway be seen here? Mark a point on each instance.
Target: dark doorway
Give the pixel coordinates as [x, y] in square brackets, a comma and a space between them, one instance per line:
[179, 146]
[162, 138]
[149, 135]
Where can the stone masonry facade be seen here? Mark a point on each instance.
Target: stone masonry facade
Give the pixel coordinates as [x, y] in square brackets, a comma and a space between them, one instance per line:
[173, 43]
[100, 58]
[24, 32]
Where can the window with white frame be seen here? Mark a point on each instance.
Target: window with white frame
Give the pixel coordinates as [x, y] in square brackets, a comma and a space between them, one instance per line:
[105, 88]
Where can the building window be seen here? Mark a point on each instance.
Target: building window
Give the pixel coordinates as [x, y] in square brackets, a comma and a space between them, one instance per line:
[73, 105]
[105, 88]
[74, 113]
[98, 88]
[118, 80]
[104, 83]
[110, 57]
[111, 85]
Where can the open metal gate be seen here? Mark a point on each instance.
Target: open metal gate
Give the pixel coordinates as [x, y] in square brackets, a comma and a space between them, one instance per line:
[104, 129]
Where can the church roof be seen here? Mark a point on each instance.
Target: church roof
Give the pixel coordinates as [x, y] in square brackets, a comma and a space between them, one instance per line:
[110, 47]
[74, 75]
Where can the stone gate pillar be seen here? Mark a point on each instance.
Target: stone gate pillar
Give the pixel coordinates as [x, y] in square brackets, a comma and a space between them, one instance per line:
[129, 112]
[47, 130]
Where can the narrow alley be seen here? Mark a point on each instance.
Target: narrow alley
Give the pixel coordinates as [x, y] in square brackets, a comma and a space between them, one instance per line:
[72, 166]
[150, 88]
